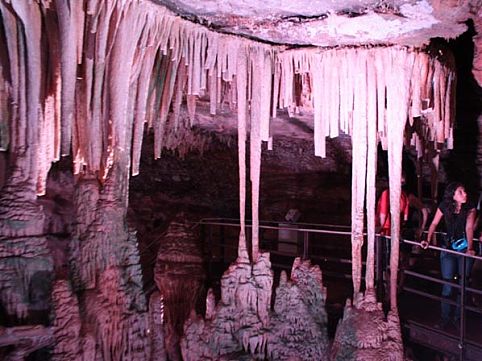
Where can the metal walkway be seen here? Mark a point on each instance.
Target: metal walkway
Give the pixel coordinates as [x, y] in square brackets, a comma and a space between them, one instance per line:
[329, 246]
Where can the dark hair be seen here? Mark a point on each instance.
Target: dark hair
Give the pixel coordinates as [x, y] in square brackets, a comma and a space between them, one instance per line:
[449, 197]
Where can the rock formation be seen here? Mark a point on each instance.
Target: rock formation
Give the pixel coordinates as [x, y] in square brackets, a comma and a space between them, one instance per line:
[243, 323]
[179, 276]
[365, 333]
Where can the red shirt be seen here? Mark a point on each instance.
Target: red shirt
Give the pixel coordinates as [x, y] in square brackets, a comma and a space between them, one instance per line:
[383, 207]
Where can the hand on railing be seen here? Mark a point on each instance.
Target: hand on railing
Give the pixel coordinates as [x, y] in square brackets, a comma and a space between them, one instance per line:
[424, 244]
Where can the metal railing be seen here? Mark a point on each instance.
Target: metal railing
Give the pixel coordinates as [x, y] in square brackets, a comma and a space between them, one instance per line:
[222, 247]
[459, 283]
[307, 245]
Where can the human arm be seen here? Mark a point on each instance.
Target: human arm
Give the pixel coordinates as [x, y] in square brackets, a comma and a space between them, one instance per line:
[424, 212]
[431, 230]
[416, 203]
[469, 231]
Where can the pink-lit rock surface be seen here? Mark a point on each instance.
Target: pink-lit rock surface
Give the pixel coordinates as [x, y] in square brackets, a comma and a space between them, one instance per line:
[21, 341]
[69, 343]
[25, 261]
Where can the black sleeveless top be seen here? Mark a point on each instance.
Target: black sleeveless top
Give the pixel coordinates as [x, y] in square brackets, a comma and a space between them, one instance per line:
[455, 223]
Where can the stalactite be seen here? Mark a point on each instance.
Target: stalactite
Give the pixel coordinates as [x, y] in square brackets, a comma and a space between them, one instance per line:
[334, 93]
[213, 99]
[436, 104]
[191, 108]
[166, 98]
[415, 98]
[141, 104]
[98, 134]
[11, 35]
[121, 63]
[241, 77]
[159, 81]
[257, 59]
[359, 145]
[325, 94]
[29, 14]
[69, 28]
[319, 132]
[49, 137]
[448, 116]
[400, 69]
[380, 56]
[276, 88]
[372, 143]
[179, 89]
[343, 91]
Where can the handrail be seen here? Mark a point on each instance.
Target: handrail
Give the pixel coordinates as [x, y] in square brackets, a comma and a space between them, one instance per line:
[214, 222]
[209, 220]
[346, 233]
[441, 249]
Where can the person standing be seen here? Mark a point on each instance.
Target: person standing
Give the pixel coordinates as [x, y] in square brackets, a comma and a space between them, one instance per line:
[459, 218]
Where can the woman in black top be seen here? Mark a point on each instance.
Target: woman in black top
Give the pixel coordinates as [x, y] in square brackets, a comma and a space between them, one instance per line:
[459, 222]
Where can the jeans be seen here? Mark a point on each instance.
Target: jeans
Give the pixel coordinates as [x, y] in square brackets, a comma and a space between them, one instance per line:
[451, 266]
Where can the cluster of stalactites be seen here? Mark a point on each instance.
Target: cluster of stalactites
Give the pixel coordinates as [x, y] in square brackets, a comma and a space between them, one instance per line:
[85, 76]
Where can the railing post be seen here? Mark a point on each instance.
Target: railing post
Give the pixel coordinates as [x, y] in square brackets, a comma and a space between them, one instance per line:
[207, 248]
[462, 309]
[306, 244]
[222, 242]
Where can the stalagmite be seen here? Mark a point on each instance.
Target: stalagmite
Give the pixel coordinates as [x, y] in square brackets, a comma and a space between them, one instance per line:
[243, 323]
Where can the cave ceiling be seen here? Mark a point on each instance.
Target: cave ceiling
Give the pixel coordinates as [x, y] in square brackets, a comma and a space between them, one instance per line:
[330, 23]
